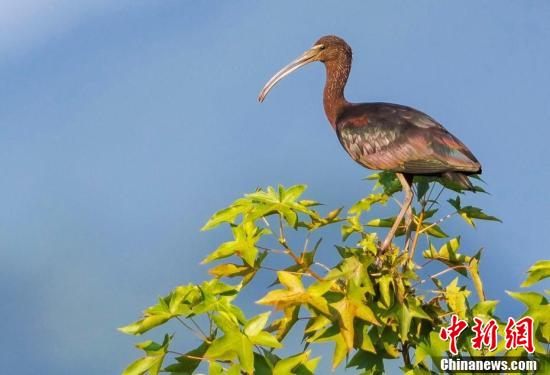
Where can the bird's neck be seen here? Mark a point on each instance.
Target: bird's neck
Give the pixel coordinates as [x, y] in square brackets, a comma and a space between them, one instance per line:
[333, 96]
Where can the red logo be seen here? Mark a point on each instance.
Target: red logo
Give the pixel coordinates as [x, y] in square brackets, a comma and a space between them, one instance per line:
[452, 332]
[520, 333]
[486, 335]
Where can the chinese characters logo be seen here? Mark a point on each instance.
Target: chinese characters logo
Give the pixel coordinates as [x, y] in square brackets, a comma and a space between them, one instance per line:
[517, 334]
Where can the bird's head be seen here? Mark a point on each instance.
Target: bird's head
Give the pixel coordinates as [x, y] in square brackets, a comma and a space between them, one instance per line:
[327, 49]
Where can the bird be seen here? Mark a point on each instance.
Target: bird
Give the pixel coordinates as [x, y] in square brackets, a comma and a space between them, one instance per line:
[384, 136]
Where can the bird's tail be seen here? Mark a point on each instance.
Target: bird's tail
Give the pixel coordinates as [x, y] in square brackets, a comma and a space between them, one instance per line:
[459, 179]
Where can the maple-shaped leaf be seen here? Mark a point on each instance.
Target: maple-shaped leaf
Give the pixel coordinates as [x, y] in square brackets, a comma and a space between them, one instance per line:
[354, 268]
[264, 203]
[177, 303]
[469, 213]
[538, 308]
[284, 324]
[189, 361]
[154, 356]
[457, 298]
[351, 306]
[290, 364]
[246, 236]
[333, 334]
[296, 294]
[282, 201]
[425, 227]
[538, 271]
[431, 346]
[448, 254]
[239, 344]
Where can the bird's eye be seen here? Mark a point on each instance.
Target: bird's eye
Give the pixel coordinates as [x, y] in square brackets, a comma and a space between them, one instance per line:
[322, 47]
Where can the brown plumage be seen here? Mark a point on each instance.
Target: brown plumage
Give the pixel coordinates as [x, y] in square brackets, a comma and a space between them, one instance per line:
[384, 136]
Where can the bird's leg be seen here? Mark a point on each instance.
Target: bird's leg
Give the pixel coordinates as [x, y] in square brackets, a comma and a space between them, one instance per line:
[408, 221]
[404, 208]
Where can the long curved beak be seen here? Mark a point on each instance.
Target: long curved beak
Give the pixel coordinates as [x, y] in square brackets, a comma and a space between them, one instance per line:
[307, 57]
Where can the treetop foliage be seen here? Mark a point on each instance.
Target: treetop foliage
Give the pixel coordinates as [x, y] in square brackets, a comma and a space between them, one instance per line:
[371, 306]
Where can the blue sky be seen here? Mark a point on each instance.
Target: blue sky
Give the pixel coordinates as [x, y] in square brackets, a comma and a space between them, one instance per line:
[123, 127]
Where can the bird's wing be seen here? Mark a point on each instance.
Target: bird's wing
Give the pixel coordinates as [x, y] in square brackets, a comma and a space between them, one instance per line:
[392, 137]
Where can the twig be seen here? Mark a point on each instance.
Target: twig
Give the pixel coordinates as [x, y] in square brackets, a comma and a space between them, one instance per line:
[306, 242]
[416, 234]
[266, 222]
[197, 326]
[436, 198]
[188, 356]
[200, 335]
[405, 354]
[442, 273]
[446, 217]
[281, 229]
[275, 251]
[288, 250]
[429, 193]
[322, 266]
[292, 272]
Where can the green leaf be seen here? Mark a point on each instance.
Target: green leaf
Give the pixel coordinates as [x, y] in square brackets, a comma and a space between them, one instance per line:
[426, 227]
[422, 187]
[295, 294]
[292, 193]
[352, 306]
[468, 213]
[174, 304]
[142, 365]
[152, 362]
[387, 181]
[244, 245]
[415, 308]
[188, 362]
[215, 369]
[457, 298]
[287, 365]
[369, 362]
[262, 365]
[284, 202]
[229, 270]
[228, 214]
[353, 226]
[366, 203]
[232, 344]
[476, 279]
[530, 299]
[433, 347]
[384, 282]
[307, 368]
[484, 309]
[354, 268]
[319, 222]
[290, 280]
[448, 254]
[264, 203]
[334, 334]
[285, 324]
[365, 336]
[404, 317]
[539, 271]
[256, 324]
[265, 339]
[143, 325]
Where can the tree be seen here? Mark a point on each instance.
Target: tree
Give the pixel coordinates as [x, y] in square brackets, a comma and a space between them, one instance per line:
[372, 306]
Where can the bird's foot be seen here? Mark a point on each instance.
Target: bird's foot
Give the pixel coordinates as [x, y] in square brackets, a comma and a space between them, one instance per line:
[382, 250]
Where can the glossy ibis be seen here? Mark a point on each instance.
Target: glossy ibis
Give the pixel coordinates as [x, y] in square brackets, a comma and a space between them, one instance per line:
[384, 136]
